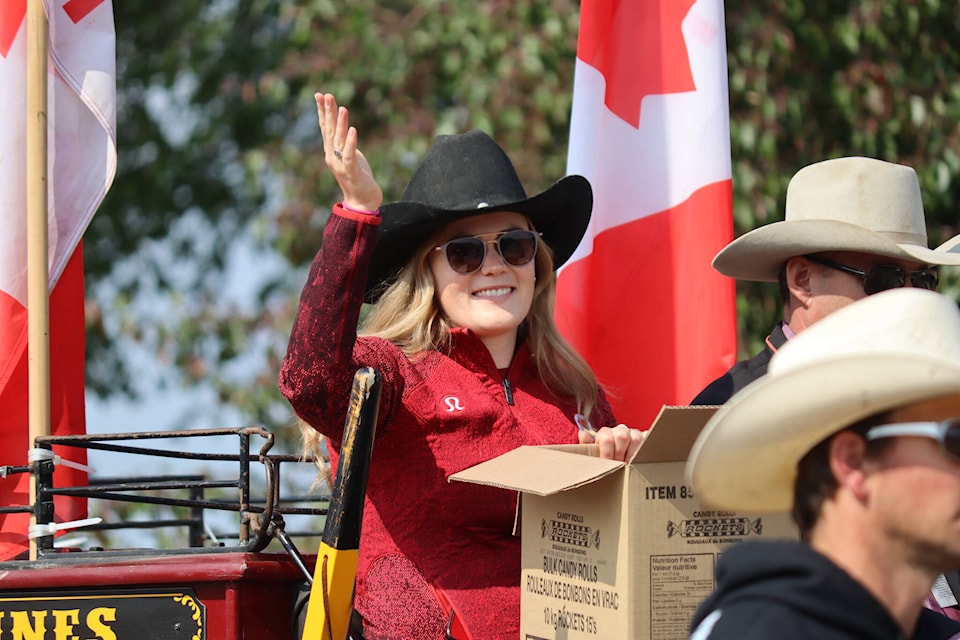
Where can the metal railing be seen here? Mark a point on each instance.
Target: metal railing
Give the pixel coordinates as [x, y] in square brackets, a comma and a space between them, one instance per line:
[260, 518]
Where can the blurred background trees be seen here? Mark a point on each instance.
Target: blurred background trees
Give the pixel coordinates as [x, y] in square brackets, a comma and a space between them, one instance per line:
[195, 260]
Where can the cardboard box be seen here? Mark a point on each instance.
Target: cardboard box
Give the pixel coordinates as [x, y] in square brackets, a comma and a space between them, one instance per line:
[618, 550]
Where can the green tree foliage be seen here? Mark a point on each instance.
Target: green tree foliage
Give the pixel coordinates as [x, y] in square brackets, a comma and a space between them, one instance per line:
[816, 80]
[219, 143]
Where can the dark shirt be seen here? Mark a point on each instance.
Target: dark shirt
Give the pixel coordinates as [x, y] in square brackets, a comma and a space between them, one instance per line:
[789, 591]
[742, 373]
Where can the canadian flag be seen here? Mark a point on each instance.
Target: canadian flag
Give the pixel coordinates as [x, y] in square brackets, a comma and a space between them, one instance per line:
[650, 130]
[82, 161]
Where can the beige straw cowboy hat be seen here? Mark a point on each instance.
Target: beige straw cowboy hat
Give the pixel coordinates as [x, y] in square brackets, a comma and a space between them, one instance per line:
[845, 204]
[884, 351]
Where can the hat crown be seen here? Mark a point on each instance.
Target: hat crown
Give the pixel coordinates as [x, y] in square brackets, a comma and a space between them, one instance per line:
[442, 183]
[845, 204]
[880, 196]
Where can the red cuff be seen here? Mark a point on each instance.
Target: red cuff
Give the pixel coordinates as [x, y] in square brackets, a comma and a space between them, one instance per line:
[357, 216]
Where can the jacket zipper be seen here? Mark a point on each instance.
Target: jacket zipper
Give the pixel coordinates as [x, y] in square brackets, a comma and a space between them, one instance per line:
[508, 391]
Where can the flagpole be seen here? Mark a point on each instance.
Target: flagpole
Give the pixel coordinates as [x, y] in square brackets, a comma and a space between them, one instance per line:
[38, 279]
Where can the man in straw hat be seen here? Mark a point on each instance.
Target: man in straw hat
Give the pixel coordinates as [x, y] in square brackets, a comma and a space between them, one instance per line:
[853, 227]
[855, 429]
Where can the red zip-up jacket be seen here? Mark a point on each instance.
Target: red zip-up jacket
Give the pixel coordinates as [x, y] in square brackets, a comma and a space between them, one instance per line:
[439, 414]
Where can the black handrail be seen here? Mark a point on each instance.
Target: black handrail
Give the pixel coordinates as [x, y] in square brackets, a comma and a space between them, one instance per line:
[261, 516]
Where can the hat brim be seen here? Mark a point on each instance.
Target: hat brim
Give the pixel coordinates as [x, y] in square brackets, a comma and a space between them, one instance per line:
[759, 254]
[746, 457]
[952, 245]
[561, 215]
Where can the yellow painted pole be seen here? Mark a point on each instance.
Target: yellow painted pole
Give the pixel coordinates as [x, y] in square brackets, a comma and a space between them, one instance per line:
[38, 279]
[331, 595]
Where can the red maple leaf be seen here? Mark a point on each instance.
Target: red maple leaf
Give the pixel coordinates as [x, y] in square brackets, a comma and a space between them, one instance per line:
[78, 9]
[12, 13]
[638, 47]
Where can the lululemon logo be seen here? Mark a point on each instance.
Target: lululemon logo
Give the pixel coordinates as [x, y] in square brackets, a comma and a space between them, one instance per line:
[453, 404]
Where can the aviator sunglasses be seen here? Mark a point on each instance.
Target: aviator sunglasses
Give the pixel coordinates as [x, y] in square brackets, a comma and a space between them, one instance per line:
[884, 276]
[947, 433]
[466, 255]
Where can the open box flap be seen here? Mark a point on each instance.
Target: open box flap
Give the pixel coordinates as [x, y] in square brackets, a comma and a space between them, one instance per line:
[541, 471]
[549, 469]
[673, 433]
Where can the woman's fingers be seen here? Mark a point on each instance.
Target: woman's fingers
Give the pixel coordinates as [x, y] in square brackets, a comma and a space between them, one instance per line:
[330, 117]
[343, 156]
[340, 132]
[636, 441]
[348, 150]
[618, 443]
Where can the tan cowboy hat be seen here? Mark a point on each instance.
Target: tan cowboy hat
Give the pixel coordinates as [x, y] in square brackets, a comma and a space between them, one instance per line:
[845, 204]
[884, 351]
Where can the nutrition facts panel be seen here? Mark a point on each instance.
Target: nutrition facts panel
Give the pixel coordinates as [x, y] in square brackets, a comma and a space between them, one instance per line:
[678, 584]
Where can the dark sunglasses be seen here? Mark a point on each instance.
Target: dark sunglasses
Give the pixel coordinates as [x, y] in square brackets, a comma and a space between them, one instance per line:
[884, 276]
[947, 433]
[466, 255]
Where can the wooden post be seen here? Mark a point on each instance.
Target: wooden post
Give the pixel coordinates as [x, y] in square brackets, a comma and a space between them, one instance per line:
[38, 275]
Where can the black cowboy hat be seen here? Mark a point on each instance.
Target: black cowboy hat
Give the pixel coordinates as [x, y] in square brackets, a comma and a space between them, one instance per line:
[466, 175]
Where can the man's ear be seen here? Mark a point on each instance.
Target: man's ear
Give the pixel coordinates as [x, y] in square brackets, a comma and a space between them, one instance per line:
[848, 452]
[797, 270]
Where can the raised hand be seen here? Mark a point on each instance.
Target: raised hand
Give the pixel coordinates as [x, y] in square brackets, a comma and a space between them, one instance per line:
[346, 161]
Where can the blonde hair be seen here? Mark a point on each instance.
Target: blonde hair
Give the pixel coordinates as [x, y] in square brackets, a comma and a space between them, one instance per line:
[311, 447]
[409, 315]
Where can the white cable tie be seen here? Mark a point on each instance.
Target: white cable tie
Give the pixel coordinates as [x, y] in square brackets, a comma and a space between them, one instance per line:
[39, 455]
[210, 534]
[67, 542]
[73, 465]
[41, 530]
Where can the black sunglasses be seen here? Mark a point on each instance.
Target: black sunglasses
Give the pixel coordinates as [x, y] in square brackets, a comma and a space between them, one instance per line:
[884, 276]
[947, 433]
[466, 255]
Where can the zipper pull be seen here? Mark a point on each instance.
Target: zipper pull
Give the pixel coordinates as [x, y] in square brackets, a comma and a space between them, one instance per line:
[508, 390]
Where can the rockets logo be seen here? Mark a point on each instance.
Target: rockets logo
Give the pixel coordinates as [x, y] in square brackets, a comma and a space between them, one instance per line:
[715, 528]
[569, 533]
